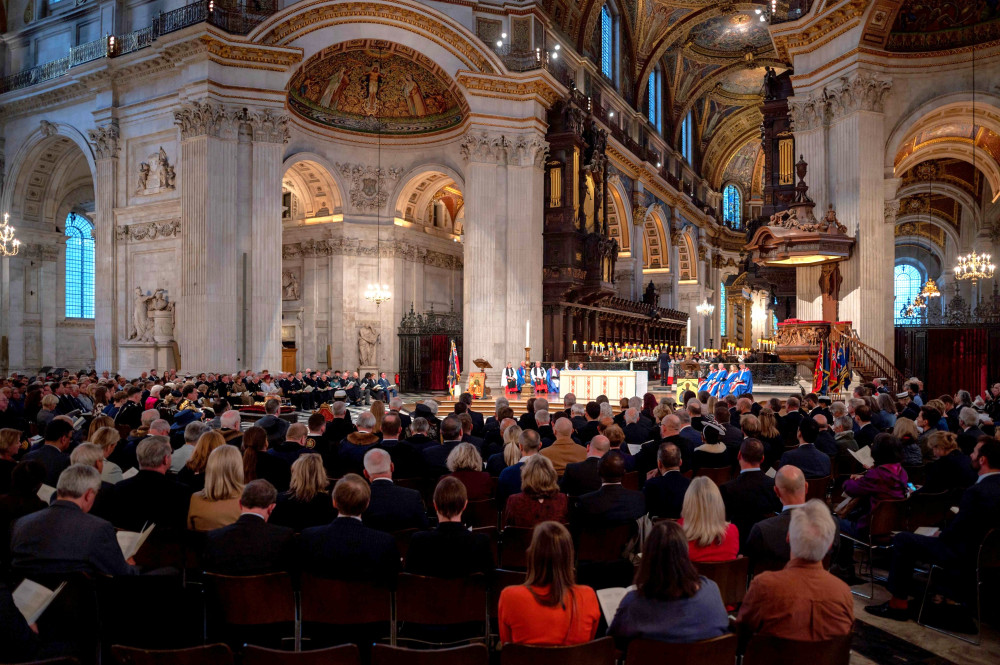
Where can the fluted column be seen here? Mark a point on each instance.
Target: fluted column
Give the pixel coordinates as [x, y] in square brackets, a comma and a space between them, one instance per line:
[810, 118]
[638, 246]
[207, 311]
[105, 141]
[270, 134]
[675, 261]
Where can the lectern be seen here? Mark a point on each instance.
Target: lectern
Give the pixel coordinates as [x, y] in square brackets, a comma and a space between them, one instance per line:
[484, 365]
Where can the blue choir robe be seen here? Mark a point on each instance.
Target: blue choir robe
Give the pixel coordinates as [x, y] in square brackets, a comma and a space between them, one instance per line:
[711, 382]
[520, 377]
[721, 379]
[745, 379]
[553, 380]
[730, 385]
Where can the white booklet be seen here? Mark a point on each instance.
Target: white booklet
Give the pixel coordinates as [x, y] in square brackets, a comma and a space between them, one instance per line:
[771, 473]
[45, 493]
[864, 456]
[131, 473]
[610, 599]
[927, 531]
[130, 541]
[633, 448]
[31, 599]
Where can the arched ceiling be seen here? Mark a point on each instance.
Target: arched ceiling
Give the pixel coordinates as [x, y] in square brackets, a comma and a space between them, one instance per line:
[924, 26]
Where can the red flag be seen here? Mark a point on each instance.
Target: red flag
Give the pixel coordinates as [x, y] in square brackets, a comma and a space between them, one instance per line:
[818, 372]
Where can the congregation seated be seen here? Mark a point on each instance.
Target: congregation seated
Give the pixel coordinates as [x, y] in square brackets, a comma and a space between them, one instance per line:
[956, 547]
[436, 456]
[419, 437]
[843, 435]
[449, 550]
[229, 428]
[969, 431]
[406, 460]
[10, 446]
[543, 419]
[616, 439]
[664, 491]
[826, 440]
[582, 477]
[510, 452]
[258, 464]
[467, 436]
[539, 499]
[909, 438]
[749, 498]
[802, 601]
[192, 474]
[390, 507]
[703, 515]
[339, 427]
[192, 433]
[612, 504]
[951, 469]
[64, 538]
[218, 504]
[107, 438]
[770, 434]
[806, 456]
[151, 496]
[274, 426]
[52, 452]
[21, 499]
[346, 549]
[181, 421]
[293, 446]
[549, 608]
[465, 464]
[767, 543]
[712, 453]
[125, 455]
[92, 455]
[352, 449]
[251, 545]
[47, 412]
[522, 446]
[867, 431]
[671, 601]
[564, 450]
[307, 502]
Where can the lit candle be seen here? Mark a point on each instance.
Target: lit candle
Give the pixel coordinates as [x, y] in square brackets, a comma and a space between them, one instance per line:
[527, 334]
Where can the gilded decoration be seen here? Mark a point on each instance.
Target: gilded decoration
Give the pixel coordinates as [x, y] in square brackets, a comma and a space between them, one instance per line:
[349, 84]
[931, 232]
[938, 25]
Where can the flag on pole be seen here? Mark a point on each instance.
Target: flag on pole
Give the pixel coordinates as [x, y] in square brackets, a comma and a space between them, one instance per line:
[824, 388]
[834, 376]
[454, 373]
[844, 367]
[818, 372]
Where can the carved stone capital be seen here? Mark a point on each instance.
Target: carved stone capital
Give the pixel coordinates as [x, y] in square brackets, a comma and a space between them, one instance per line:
[809, 113]
[531, 150]
[206, 119]
[483, 148]
[891, 211]
[269, 127]
[105, 140]
[857, 92]
[638, 215]
[48, 128]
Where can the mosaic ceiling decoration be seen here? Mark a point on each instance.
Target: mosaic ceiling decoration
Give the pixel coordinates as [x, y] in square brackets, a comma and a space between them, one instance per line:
[938, 25]
[348, 85]
[737, 32]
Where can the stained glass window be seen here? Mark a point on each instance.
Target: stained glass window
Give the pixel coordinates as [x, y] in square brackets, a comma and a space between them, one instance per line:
[607, 43]
[79, 267]
[655, 115]
[907, 287]
[732, 207]
[722, 309]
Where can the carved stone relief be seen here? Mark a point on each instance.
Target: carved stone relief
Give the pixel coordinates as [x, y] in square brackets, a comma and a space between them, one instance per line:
[368, 184]
[354, 247]
[149, 230]
[155, 175]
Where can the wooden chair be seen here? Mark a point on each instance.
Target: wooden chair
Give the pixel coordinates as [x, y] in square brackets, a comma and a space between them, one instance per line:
[767, 650]
[514, 542]
[255, 600]
[719, 476]
[210, 654]
[817, 488]
[403, 538]
[597, 652]
[441, 602]
[716, 651]
[604, 544]
[501, 580]
[929, 509]
[887, 518]
[470, 654]
[630, 481]
[494, 536]
[480, 513]
[345, 654]
[729, 576]
[341, 602]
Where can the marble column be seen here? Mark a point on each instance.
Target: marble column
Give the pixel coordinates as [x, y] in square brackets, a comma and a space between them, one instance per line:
[811, 124]
[269, 133]
[105, 140]
[208, 308]
[675, 261]
[638, 246]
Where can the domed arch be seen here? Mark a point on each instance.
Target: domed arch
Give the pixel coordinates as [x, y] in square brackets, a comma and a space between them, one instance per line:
[315, 188]
[656, 254]
[431, 195]
[619, 215]
[688, 258]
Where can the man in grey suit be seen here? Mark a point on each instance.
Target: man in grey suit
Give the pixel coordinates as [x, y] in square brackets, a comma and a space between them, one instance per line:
[64, 538]
[767, 544]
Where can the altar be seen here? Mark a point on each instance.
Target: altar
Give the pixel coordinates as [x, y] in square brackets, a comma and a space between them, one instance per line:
[588, 384]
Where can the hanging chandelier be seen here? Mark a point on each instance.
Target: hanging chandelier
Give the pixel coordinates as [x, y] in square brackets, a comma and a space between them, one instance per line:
[8, 243]
[705, 309]
[930, 289]
[974, 266]
[378, 292]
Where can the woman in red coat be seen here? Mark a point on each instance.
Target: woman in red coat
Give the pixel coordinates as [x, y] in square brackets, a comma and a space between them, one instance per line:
[703, 516]
[539, 499]
[466, 464]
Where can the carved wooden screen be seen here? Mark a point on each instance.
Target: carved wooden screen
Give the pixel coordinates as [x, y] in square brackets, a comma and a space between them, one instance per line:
[424, 344]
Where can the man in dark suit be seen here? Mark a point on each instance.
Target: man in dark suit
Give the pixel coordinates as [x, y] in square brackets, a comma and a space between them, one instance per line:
[274, 426]
[734, 435]
[767, 542]
[581, 477]
[150, 497]
[419, 438]
[691, 436]
[665, 492]
[478, 422]
[436, 457]
[545, 432]
[958, 543]
[592, 415]
[346, 549]
[64, 538]
[294, 444]
[131, 412]
[635, 430]
[52, 453]
[612, 504]
[750, 496]
[789, 423]
[391, 507]
[341, 425]
[407, 462]
[968, 420]
[396, 407]
[863, 417]
[647, 458]
[808, 458]
[826, 441]
[467, 437]
[450, 550]
[251, 546]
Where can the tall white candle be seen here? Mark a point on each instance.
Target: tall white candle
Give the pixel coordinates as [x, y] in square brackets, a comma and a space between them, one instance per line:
[527, 334]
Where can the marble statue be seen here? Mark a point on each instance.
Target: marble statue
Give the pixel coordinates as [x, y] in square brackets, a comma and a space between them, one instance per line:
[142, 328]
[289, 286]
[367, 340]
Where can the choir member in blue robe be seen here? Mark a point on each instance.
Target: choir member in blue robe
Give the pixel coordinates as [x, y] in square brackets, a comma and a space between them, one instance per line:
[745, 380]
[522, 375]
[553, 380]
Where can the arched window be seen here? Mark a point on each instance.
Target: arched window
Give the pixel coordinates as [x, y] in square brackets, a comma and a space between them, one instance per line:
[79, 267]
[732, 207]
[607, 43]
[655, 100]
[722, 309]
[907, 287]
[687, 137]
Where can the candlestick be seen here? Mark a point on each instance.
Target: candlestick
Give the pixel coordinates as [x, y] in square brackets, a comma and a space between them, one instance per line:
[527, 333]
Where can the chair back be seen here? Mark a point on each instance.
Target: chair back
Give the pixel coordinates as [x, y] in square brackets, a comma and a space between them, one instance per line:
[716, 651]
[719, 476]
[403, 538]
[929, 509]
[437, 601]
[253, 600]
[345, 654]
[604, 544]
[767, 650]
[816, 488]
[501, 580]
[630, 481]
[888, 516]
[597, 652]
[491, 533]
[514, 542]
[210, 654]
[470, 654]
[729, 576]
[342, 602]
[989, 551]
[480, 513]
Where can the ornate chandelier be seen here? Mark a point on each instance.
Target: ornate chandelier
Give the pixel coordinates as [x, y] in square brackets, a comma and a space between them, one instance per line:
[974, 266]
[705, 309]
[8, 243]
[930, 289]
[378, 293]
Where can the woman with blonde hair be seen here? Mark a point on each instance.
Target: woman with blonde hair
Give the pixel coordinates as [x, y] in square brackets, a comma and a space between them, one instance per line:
[951, 469]
[511, 445]
[307, 502]
[218, 504]
[378, 410]
[770, 435]
[549, 608]
[193, 473]
[466, 464]
[96, 424]
[703, 515]
[539, 499]
[107, 438]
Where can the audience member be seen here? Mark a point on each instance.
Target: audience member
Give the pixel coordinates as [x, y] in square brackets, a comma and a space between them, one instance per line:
[582, 477]
[193, 473]
[218, 504]
[665, 491]
[867, 432]
[406, 461]
[150, 496]
[465, 464]
[436, 456]
[950, 469]
[968, 421]
[21, 499]
[712, 453]
[612, 504]
[52, 452]
[391, 507]
[273, 424]
[564, 450]
[539, 499]
[767, 544]
[251, 545]
[192, 433]
[703, 516]
[10, 446]
[449, 550]
[809, 459]
[307, 502]
[354, 446]
[750, 497]
[294, 444]
[509, 481]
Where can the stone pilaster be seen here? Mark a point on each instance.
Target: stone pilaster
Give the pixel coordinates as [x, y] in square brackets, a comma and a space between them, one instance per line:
[105, 140]
[208, 308]
[638, 231]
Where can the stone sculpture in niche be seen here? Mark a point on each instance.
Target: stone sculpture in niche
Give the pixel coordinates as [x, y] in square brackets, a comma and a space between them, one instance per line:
[141, 330]
[289, 286]
[156, 174]
[367, 341]
[152, 317]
